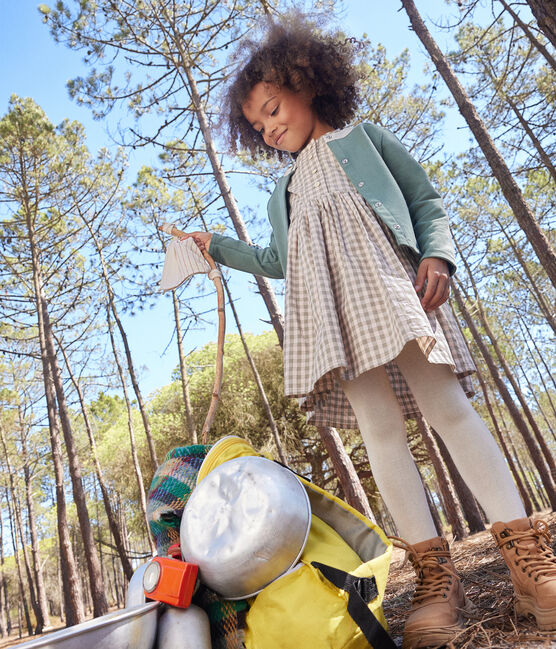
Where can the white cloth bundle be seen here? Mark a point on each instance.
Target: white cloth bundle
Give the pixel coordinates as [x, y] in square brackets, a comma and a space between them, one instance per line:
[183, 259]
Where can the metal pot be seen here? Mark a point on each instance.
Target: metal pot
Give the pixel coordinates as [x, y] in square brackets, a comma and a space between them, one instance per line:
[183, 628]
[135, 595]
[245, 524]
[129, 628]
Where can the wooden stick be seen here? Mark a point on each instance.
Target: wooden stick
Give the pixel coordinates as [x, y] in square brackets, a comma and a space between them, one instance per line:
[220, 344]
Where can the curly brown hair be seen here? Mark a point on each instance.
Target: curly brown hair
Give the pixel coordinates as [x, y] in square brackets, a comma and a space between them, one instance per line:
[296, 55]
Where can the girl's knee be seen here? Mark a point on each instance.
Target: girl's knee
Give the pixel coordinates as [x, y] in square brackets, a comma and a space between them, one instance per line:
[449, 411]
[384, 438]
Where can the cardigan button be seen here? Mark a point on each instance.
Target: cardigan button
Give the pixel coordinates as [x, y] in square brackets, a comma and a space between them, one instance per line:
[361, 184]
[378, 204]
[397, 227]
[345, 161]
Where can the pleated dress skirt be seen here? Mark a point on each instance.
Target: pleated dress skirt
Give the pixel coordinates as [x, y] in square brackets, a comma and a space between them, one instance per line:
[350, 302]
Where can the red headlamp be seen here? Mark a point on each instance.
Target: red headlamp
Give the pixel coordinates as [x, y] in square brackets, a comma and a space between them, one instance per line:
[170, 580]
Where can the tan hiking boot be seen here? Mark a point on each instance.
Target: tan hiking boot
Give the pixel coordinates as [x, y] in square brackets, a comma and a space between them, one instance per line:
[439, 604]
[525, 546]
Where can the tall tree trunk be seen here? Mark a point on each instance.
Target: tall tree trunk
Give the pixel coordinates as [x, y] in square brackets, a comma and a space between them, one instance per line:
[510, 376]
[93, 565]
[538, 358]
[545, 14]
[433, 510]
[48, 355]
[18, 523]
[532, 38]
[524, 375]
[343, 466]
[22, 598]
[183, 373]
[451, 506]
[3, 586]
[543, 155]
[515, 453]
[73, 599]
[72, 590]
[37, 567]
[531, 284]
[115, 583]
[127, 350]
[9, 623]
[510, 405]
[540, 490]
[112, 522]
[502, 173]
[528, 335]
[516, 475]
[134, 456]
[257, 378]
[507, 371]
[471, 511]
[27, 564]
[509, 459]
[19, 620]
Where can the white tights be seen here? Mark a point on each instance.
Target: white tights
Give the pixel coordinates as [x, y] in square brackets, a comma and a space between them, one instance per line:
[446, 408]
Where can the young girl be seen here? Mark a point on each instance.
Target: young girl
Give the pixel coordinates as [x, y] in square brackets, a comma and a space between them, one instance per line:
[364, 244]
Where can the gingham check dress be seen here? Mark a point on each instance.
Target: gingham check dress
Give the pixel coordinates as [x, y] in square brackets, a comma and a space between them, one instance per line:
[350, 301]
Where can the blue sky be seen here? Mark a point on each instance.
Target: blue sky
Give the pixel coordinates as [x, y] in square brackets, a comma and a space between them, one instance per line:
[34, 65]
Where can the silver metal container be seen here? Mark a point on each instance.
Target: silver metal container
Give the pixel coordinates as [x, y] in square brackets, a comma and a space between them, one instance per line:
[129, 628]
[183, 628]
[135, 595]
[245, 524]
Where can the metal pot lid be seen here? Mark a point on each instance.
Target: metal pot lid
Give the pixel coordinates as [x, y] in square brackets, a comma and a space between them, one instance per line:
[245, 524]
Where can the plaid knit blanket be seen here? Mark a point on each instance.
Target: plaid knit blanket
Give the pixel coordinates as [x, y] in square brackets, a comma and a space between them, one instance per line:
[170, 489]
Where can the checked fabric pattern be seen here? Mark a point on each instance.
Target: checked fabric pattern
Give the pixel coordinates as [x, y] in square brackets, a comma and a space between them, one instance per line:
[350, 303]
[170, 489]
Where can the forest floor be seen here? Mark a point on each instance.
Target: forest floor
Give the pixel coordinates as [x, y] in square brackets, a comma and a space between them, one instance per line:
[487, 583]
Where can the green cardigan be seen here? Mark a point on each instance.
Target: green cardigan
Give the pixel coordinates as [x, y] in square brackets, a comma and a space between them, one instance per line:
[389, 179]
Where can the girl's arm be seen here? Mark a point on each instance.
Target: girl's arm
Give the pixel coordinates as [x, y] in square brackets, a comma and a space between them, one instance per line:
[429, 219]
[430, 223]
[240, 255]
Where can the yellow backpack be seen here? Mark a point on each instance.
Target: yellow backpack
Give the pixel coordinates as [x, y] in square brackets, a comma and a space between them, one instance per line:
[334, 599]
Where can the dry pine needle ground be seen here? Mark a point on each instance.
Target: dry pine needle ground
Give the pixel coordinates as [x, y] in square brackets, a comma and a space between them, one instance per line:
[487, 583]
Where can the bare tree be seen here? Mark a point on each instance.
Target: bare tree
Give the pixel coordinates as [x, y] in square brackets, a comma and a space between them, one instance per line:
[451, 505]
[540, 9]
[37, 170]
[534, 451]
[112, 521]
[508, 185]
[133, 446]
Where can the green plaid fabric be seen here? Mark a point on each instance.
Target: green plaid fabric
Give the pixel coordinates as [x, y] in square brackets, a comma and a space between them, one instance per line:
[170, 489]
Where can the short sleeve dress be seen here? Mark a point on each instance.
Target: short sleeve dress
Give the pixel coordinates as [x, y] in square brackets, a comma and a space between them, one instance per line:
[350, 303]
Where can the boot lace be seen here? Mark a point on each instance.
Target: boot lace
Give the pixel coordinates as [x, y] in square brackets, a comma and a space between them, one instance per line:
[434, 577]
[533, 551]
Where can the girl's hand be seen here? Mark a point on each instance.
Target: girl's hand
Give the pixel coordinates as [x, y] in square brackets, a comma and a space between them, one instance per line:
[435, 273]
[202, 239]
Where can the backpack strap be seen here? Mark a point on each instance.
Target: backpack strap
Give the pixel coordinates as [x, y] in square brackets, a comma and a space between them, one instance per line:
[361, 590]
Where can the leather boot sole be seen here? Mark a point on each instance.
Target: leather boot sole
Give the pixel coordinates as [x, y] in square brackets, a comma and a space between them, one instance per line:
[439, 636]
[546, 617]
